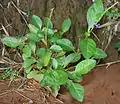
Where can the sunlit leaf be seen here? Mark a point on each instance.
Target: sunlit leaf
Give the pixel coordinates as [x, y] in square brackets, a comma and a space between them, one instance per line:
[56, 48]
[85, 66]
[37, 21]
[27, 51]
[54, 63]
[75, 77]
[11, 41]
[95, 13]
[65, 44]
[87, 47]
[99, 54]
[28, 62]
[76, 90]
[33, 37]
[35, 75]
[54, 78]
[33, 29]
[48, 23]
[32, 45]
[66, 25]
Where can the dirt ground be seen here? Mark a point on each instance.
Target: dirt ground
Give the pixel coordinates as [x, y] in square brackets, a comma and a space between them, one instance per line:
[102, 86]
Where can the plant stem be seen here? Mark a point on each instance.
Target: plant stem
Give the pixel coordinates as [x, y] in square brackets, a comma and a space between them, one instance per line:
[46, 38]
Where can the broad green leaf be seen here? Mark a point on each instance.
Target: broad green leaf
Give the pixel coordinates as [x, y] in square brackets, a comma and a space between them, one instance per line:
[33, 37]
[32, 46]
[75, 77]
[76, 90]
[60, 54]
[27, 51]
[49, 32]
[37, 21]
[11, 41]
[71, 58]
[28, 69]
[54, 38]
[54, 63]
[66, 25]
[56, 48]
[54, 78]
[28, 62]
[46, 58]
[40, 34]
[33, 29]
[87, 47]
[85, 66]
[48, 23]
[65, 44]
[99, 54]
[39, 63]
[35, 75]
[61, 60]
[95, 13]
[40, 52]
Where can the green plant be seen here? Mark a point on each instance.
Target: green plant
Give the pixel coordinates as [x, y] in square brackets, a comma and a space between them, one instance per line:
[9, 73]
[113, 14]
[117, 46]
[48, 56]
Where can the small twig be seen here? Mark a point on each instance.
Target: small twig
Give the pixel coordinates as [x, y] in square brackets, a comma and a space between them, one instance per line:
[4, 30]
[108, 24]
[21, 94]
[6, 26]
[108, 64]
[19, 12]
[4, 93]
[96, 36]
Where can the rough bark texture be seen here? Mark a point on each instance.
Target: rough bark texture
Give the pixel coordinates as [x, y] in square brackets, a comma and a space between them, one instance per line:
[75, 9]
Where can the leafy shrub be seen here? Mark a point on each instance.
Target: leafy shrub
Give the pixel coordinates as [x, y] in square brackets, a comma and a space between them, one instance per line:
[47, 55]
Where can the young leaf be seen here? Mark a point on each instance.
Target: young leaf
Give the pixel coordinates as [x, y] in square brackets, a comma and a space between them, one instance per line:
[54, 63]
[56, 48]
[61, 60]
[71, 58]
[40, 34]
[99, 54]
[66, 25]
[76, 90]
[54, 78]
[40, 63]
[28, 69]
[95, 13]
[33, 29]
[40, 52]
[49, 32]
[27, 51]
[46, 58]
[87, 47]
[33, 46]
[37, 21]
[28, 62]
[35, 75]
[33, 37]
[54, 38]
[11, 41]
[65, 44]
[85, 66]
[75, 77]
[48, 23]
